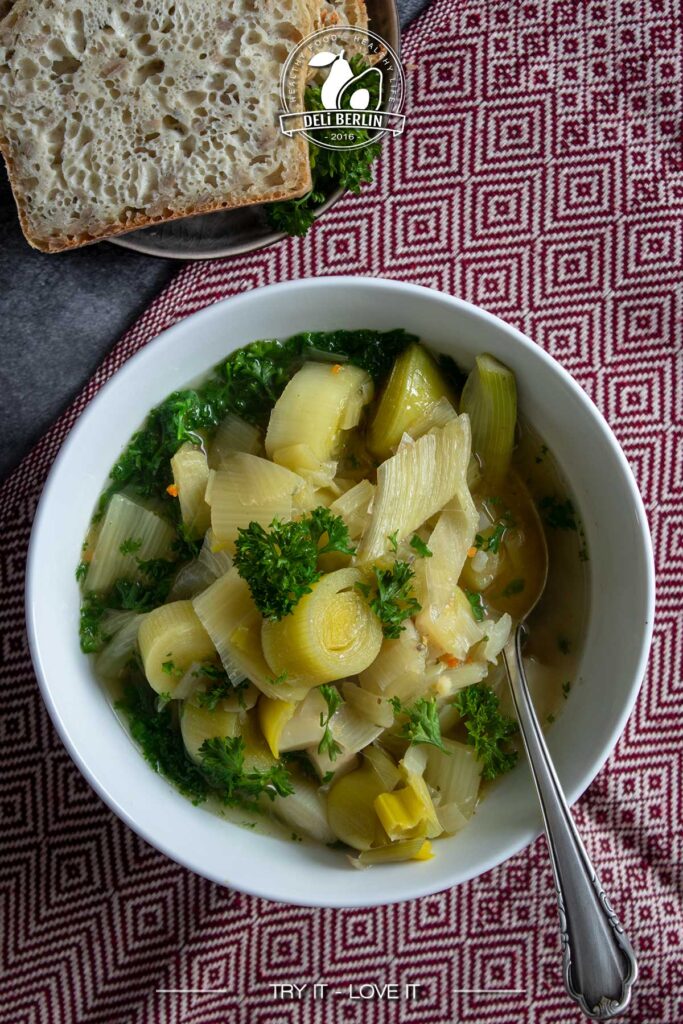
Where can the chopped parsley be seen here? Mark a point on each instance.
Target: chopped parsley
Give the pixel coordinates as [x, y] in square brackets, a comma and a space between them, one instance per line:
[491, 542]
[247, 383]
[418, 545]
[222, 763]
[81, 571]
[563, 644]
[558, 514]
[169, 669]
[393, 600]
[328, 745]
[566, 687]
[280, 564]
[393, 541]
[130, 546]
[277, 680]
[92, 636]
[487, 729]
[219, 688]
[147, 592]
[515, 586]
[422, 721]
[162, 745]
[476, 604]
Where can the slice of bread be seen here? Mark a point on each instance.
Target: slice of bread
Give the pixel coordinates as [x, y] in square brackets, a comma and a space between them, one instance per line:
[114, 116]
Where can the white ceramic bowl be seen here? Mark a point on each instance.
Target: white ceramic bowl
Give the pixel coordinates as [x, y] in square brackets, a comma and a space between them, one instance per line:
[613, 658]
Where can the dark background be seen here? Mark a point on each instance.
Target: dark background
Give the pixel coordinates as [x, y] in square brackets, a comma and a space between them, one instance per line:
[60, 315]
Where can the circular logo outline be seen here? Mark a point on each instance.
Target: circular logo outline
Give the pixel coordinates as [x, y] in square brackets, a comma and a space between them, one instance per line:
[397, 82]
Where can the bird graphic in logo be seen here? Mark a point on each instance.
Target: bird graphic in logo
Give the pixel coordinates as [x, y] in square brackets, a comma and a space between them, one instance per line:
[342, 87]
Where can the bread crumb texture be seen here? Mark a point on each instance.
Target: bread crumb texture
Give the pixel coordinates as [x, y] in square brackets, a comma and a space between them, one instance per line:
[118, 115]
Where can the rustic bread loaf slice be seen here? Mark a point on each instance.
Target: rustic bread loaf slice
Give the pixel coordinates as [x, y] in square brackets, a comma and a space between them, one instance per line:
[114, 116]
[342, 12]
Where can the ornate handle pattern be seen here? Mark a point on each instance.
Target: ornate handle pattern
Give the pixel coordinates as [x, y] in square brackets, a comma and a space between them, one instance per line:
[599, 964]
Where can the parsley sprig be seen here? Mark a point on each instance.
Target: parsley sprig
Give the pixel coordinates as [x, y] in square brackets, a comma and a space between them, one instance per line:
[487, 729]
[280, 564]
[421, 723]
[222, 762]
[219, 686]
[392, 598]
[334, 700]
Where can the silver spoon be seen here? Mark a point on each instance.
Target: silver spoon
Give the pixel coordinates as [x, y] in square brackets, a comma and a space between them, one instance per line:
[599, 965]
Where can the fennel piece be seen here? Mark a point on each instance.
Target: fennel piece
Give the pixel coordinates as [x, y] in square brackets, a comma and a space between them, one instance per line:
[490, 400]
[414, 485]
[415, 384]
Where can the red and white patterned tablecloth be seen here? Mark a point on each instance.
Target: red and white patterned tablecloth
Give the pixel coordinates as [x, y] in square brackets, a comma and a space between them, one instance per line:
[540, 176]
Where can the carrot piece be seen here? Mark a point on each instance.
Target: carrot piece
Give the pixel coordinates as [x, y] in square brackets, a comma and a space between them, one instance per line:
[471, 552]
[449, 660]
[336, 368]
[172, 490]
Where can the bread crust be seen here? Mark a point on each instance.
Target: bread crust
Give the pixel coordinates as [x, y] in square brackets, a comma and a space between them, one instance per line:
[297, 147]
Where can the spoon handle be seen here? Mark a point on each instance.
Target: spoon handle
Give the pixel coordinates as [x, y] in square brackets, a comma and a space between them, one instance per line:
[599, 965]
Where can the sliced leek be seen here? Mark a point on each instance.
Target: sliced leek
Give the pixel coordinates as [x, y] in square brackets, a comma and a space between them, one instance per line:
[301, 459]
[319, 402]
[171, 637]
[413, 766]
[190, 476]
[234, 625]
[330, 634]
[201, 572]
[368, 705]
[400, 664]
[248, 489]
[353, 731]
[304, 728]
[415, 484]
[414, 385]
[490, 400]
[113, 659]
[384, 767]
[130, 533]
[350, 808]
[233, 435]
[354, 507]
[392, 853]
[199, 724]
[402, 813]
[305, 811]
[455, 775]
[436, 415]
[273, 716]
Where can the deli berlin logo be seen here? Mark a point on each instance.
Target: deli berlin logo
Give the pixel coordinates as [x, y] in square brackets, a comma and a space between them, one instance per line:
[354, 89]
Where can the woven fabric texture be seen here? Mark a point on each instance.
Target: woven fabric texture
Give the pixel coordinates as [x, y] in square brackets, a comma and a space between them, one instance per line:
[540, 176]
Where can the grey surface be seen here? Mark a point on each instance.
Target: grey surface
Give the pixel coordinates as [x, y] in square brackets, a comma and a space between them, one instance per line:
[60, 315]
